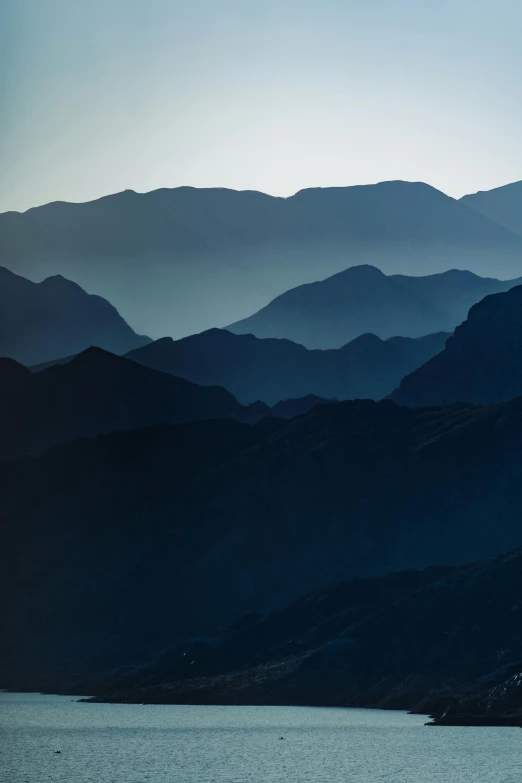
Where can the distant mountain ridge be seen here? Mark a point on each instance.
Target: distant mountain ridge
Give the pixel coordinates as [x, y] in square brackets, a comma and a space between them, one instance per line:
[39, 321]
[331, 312]
[178, 261]
[169, 217]
[481, 363]
[273, 370]
[503, 205]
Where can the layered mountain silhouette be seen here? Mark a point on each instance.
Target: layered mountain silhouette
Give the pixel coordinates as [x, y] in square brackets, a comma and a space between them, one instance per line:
[503, 205]
[169, 537]
[180, 261]
[99, 392]
[482, 361]
[272, 370]
[118, 547]
[39, 321]
[329, 313]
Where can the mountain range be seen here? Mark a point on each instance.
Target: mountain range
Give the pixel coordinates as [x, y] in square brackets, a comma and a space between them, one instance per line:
[180, 261]
[201, 520]
[40, 321]
[481, 362]
[329, 313]
[272, 370]
[121, 546]
[99, 392]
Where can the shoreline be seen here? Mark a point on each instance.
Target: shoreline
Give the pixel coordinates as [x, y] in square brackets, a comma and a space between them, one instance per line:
[448, 718]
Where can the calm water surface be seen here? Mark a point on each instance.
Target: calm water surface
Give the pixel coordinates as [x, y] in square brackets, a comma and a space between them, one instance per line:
[106, 743]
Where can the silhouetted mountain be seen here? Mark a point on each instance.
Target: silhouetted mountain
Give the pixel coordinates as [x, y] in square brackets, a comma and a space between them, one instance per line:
[39, 321]
[288, 409]
[329, 313]
[482, 361]
[280, 637]
[122, 546]
[53, 363]
[273, 370]
[445, 641]
[503, 205]
[98, 392]
[183, 260]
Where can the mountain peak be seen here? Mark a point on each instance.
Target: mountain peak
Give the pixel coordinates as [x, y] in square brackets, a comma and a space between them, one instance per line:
[96, 354]
[57, 318]
[59, 284]
[366, 340]
[162, 342]
[92, 359]
[360, 271]
[363, 299]
[386, 185]
[10, 368]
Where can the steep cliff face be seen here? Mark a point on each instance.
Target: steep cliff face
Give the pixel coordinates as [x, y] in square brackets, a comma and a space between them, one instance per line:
[482, 361]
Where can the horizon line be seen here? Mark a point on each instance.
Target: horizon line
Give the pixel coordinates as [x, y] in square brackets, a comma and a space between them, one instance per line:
[250, 190]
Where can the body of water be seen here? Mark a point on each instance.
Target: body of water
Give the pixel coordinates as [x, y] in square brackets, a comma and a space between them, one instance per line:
[111, 743]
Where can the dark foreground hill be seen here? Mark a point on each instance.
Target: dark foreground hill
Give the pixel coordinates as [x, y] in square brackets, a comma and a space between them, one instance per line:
[329, 313]
[482, 361]
[178, 261]
[118, 548]
[272, 370]
[99, 392]
[442, 641]
[40, 321]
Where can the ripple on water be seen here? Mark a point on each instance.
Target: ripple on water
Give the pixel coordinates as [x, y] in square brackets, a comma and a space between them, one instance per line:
[111, 743]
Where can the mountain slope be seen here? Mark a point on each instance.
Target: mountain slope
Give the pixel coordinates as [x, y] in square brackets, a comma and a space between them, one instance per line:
[122, 546]
[503, 205]
[329, 313]
[445, 641]
[196, 666]
[180, 261]
[39, 321]
[273, 370]
[97, 392]
[482, 361]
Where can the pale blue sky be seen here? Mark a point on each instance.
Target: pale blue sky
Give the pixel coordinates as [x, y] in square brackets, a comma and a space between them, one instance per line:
[276, 95]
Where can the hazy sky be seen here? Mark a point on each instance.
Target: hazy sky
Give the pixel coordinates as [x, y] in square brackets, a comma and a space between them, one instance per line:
[276, 95]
